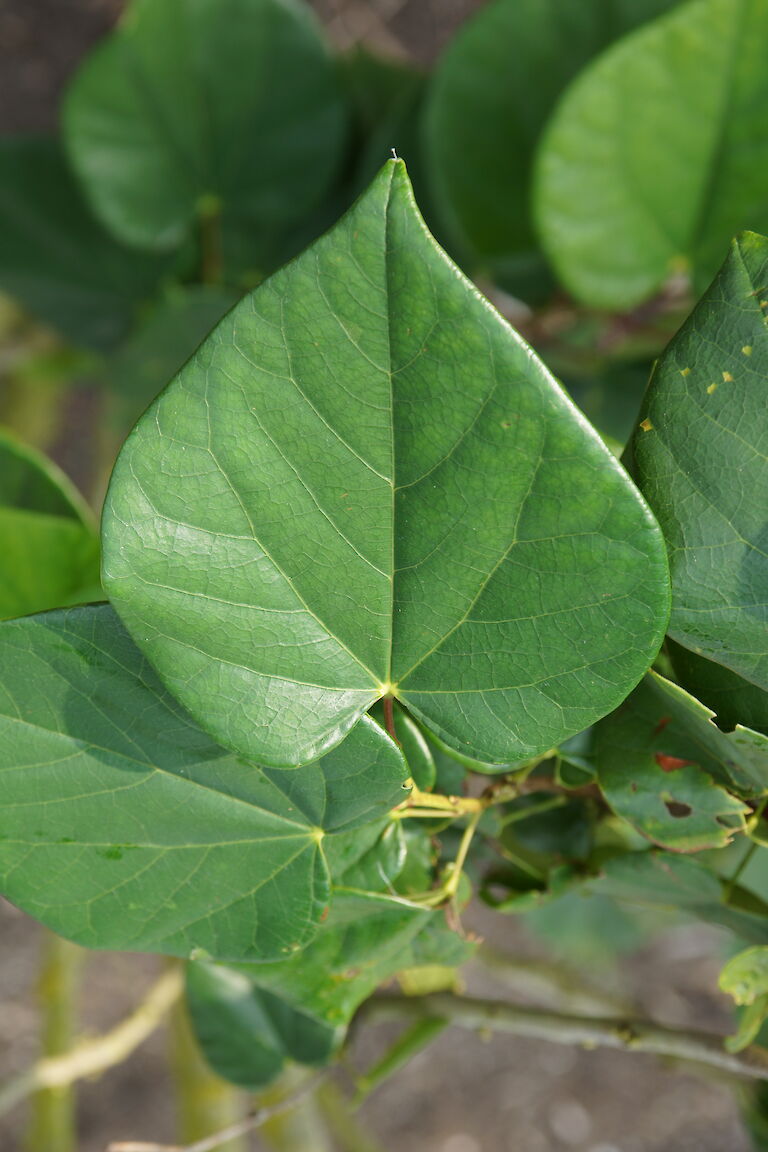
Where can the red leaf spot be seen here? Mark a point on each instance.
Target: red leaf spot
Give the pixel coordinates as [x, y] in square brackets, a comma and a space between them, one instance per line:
[670, 763]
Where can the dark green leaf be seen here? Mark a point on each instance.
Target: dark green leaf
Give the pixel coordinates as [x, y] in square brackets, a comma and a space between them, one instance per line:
[657, 154]
[364, 481]
[701, 458]
[491, 95]
[123, 826]
[54, 256]
[186, 108]
[49, 550]
[245, 1033]
[732, 699]
[158, 349]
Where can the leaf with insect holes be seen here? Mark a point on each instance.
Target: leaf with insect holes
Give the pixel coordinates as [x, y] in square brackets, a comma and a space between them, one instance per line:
[654, 756]
[365, 482]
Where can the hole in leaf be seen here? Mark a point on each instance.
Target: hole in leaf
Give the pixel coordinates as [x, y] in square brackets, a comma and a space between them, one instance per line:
[678, 810]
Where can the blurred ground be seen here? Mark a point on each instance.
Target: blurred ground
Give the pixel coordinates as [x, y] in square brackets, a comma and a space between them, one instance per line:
[464, 1094]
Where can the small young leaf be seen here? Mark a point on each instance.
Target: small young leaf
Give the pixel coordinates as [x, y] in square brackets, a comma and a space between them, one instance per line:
[122, 825]
[220, 104]
[745, 978]
[365, 482]
[49, 550]
[701, 458]
[627, 194]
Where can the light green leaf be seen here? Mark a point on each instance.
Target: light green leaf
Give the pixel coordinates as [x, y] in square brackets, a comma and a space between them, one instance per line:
[701, 458]
[657, 154]
[745, 978]
[652, 769]
[56, 259]
[123, 826]
[191, 106]
[364, 482]
[49, 550]
[246, 1034]
[492, 93]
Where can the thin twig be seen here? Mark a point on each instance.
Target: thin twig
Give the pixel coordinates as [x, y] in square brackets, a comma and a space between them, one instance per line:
[255, 1120]
[93, 1056]
[702, 1048]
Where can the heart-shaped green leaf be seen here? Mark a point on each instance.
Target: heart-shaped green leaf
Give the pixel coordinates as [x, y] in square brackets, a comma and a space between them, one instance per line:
[123, 826]
[654, 757]
[56, 259]
[364, 482]
[49, 550]
[701, 459]
[187, 108]
[492, 93]
[658, 154]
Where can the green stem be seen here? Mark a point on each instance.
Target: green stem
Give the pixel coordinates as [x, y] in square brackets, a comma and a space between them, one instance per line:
[702, 1049]
[421, 1033]
[52, 1125]
[212, 263]
[344, 1127]
[299, 1128]
[204, 1102]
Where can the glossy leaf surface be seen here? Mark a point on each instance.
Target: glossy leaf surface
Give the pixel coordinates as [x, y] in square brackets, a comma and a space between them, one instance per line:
[56, 259]
[492, 93]
[701, 458]
[654, 756]
[123, 826]
[49, 550]
[190, 106]
[364, 481]
[627, 194]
